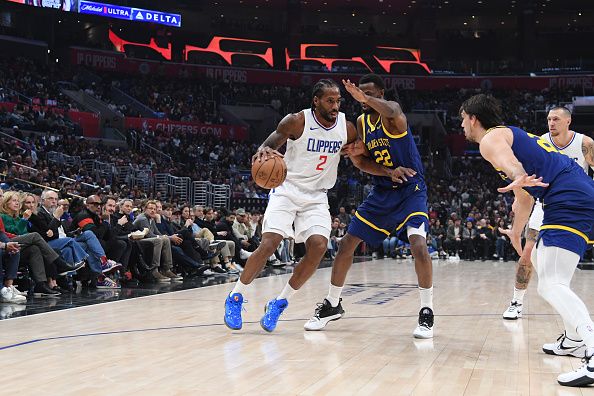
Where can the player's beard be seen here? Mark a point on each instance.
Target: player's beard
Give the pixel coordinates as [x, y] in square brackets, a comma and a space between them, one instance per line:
[327, 116]
[368, 110]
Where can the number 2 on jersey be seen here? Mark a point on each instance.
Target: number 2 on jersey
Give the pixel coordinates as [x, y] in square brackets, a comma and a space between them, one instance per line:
[323, 159]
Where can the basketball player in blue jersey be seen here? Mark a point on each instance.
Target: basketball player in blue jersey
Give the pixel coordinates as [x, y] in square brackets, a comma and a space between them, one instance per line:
[580, 148]
[397, 202]
[534, 168]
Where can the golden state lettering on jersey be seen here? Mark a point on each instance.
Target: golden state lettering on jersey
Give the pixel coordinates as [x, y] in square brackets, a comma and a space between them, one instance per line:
[323, 146]
[381, 142]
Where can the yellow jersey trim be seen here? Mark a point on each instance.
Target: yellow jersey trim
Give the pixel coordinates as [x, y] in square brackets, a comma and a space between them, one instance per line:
[363, 129]
[409, 216]
[565, 228]
[398, 136]
[370, 224]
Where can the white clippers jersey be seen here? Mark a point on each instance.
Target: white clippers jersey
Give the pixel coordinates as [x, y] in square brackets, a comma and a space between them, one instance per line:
[572, 150]
[312, 160]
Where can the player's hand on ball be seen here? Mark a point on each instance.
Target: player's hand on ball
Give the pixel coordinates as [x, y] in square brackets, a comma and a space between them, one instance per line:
[524, 181]
[355, 91]
[401, 174]
[264, 153]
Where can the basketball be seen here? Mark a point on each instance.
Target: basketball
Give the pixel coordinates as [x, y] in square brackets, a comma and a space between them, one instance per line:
[270, 173]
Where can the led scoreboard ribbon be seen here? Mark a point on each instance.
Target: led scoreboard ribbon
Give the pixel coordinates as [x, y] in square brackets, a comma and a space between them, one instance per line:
[130, 14]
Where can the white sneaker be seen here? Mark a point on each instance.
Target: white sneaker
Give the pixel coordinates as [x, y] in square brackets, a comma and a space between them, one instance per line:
[425, 327]
[513, 312]
[6, 295]
[580, 377]
[374, 256]
[565, 347]
[244, 255]
[17, 291]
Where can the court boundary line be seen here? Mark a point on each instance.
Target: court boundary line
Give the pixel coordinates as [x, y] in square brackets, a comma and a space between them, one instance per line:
[206, 325]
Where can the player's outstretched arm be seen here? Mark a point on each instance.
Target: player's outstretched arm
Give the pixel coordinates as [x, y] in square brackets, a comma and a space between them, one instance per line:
[521, 207]
[290, 127]
[390, 111]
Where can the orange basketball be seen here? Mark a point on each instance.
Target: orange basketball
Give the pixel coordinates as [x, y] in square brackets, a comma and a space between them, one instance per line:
[270, 173]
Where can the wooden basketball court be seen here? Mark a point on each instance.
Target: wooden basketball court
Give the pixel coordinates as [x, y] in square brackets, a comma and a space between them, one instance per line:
[176, 343]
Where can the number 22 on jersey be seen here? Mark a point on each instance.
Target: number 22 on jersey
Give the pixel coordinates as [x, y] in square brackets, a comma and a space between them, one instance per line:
[383, 157]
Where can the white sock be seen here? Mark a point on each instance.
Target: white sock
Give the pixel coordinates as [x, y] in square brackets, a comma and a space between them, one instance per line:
[287, 292]
[239, 288]
[586, 331]
[426, 297]
[333, 296]
[519, 295]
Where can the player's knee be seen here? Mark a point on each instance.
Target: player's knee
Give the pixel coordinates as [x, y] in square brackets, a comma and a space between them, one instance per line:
[317, 246]
[418, 247]
[546, 288]
[348, 244]
[269, 245]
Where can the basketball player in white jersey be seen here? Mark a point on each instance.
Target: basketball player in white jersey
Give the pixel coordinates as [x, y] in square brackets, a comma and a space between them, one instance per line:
[581, 148]
[314, 140]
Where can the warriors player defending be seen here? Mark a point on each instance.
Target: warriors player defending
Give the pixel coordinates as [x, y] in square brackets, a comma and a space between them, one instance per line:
[533, 167]
[314, 140]
[397, 202]
[581, 149]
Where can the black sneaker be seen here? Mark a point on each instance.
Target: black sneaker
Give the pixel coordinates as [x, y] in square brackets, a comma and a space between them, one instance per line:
[325, 313]
[219, 270]
[425, 327]
[41, 289]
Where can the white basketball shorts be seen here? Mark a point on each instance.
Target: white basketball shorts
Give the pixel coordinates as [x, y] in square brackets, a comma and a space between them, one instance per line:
[536, 217]
[298, 214]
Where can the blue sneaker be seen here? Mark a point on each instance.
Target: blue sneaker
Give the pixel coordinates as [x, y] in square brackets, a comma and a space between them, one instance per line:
[233, 305]
[272, 312]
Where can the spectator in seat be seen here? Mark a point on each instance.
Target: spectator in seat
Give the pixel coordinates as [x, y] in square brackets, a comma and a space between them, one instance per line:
[35, 252]
[9, 264]
[88, 220]
[484, 239]
[225, 225]
[125, 245]
[343, 216]
[469, 235]
[45, 220]
[190, 251]
[453, 242]
[162, 256]
[501, 241]
[227, 251]
[439, 233]
[243, 231]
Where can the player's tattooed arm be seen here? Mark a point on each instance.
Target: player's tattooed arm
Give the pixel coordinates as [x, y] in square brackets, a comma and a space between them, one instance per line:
[290, 127]
[523, 273]
[588, 150]
[525, 268]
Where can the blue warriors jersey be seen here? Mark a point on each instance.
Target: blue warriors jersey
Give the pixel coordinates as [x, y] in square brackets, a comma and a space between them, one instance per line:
[391, 208]
[568, 200]
[392, 151]
[538, 157]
